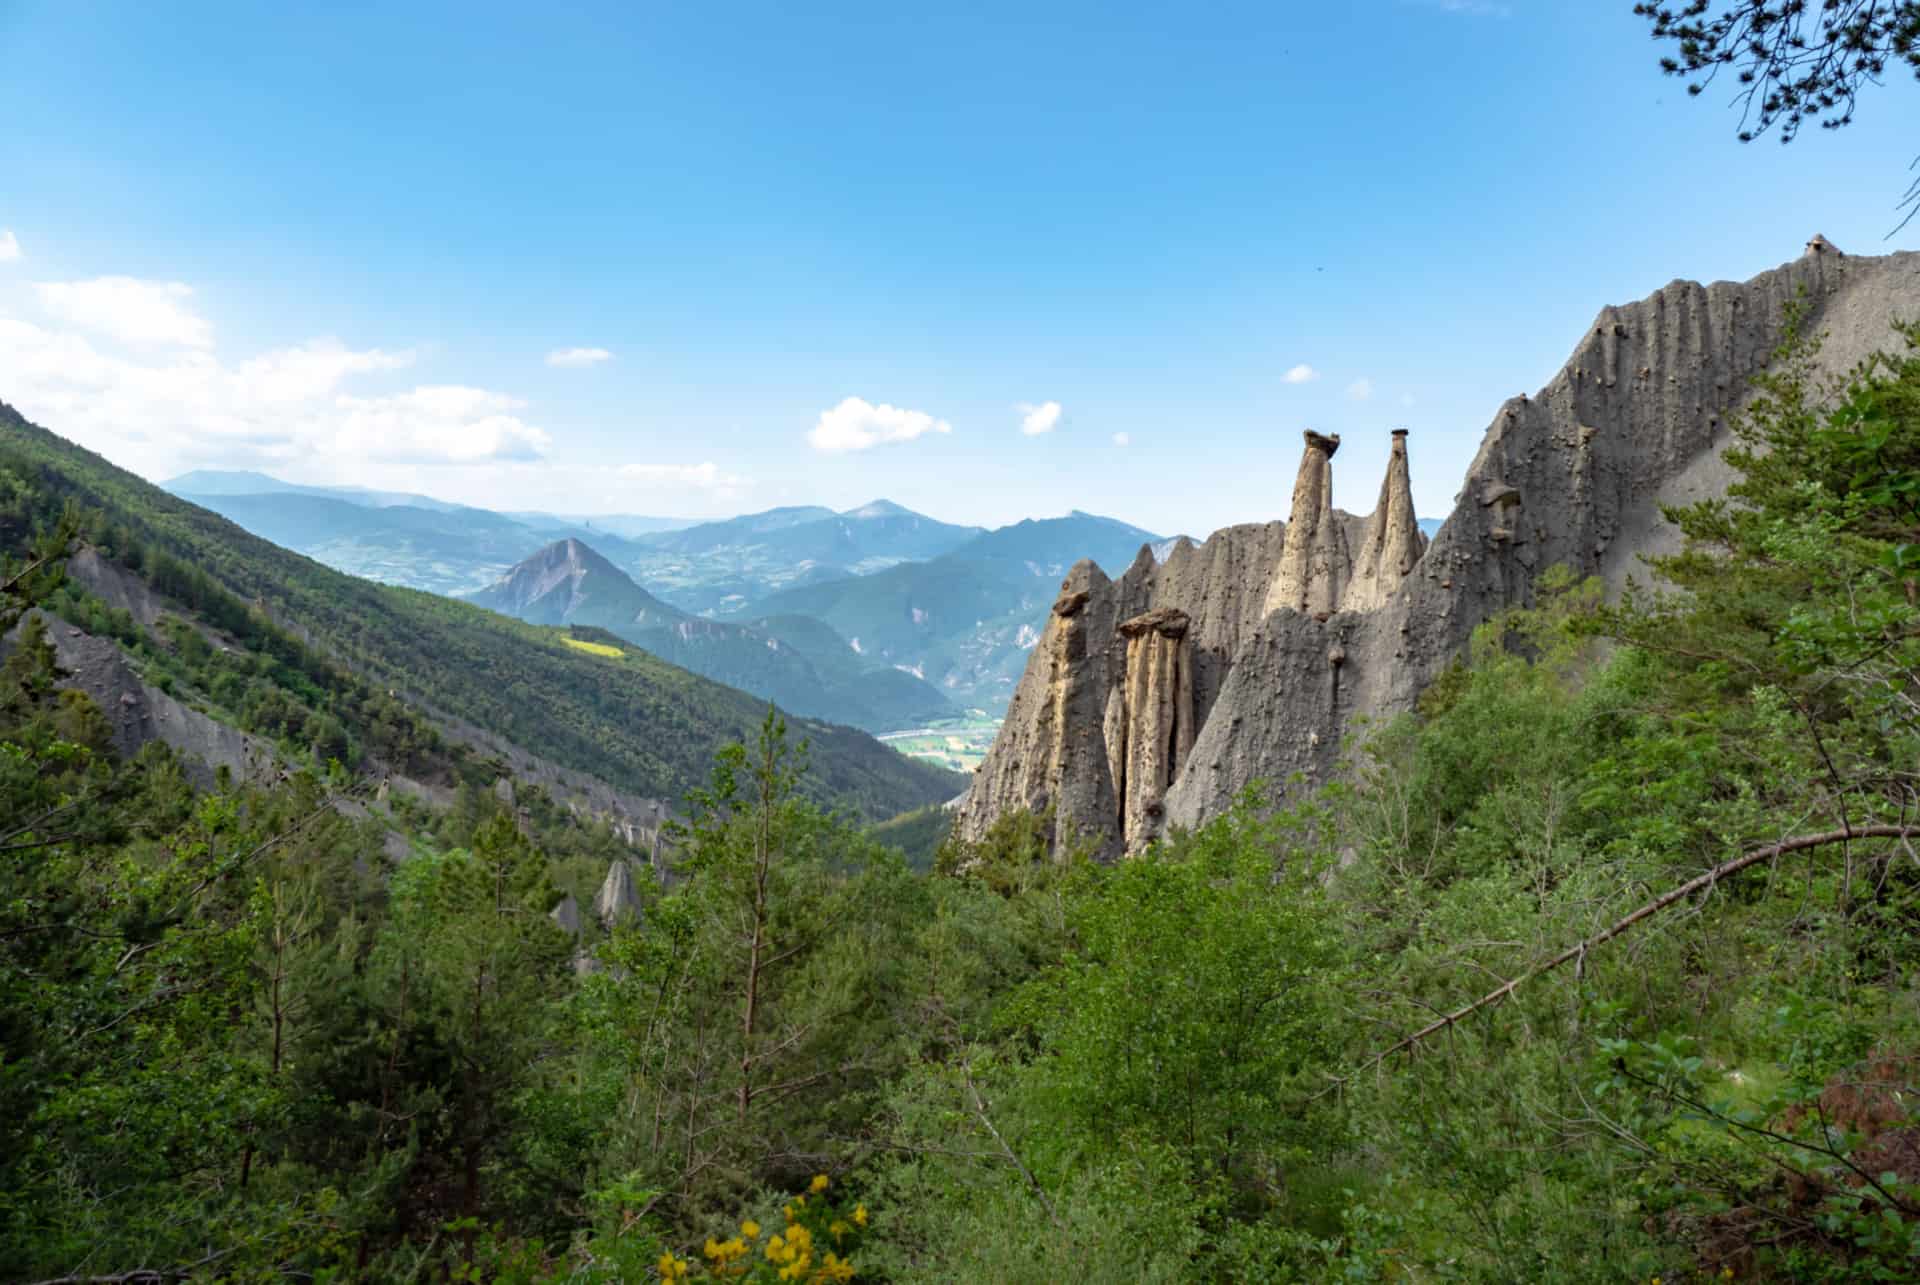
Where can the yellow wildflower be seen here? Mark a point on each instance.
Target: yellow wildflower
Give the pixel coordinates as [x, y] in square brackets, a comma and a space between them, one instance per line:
[836, 1268]
[820, 1183]
[860, 1215]
[750, 1229]
[839, 1228]
[671, 1268]
[788, 1211]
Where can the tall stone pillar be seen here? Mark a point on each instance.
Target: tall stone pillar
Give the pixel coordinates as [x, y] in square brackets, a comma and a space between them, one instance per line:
[1156, 726]
[1313, 561]
[1392, 542]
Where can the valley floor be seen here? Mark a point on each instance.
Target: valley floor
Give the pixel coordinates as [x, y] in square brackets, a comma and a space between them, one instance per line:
[958, 744]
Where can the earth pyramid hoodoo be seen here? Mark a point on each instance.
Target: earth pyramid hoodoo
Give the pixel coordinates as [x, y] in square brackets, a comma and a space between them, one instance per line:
[1121, 686]
[1155, 698]
[1314, 564]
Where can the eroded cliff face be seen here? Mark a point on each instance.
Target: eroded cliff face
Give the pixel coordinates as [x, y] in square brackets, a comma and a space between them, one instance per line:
[1291, 633]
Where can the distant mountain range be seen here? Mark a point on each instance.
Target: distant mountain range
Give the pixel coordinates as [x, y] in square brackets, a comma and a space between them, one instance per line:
[965, 620]
[395, 537]
[877, 616]
[799, 663]
[725, 568]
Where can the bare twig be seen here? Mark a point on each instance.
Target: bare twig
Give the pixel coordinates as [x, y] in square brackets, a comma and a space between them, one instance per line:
[1685, 890]
[980, 1109]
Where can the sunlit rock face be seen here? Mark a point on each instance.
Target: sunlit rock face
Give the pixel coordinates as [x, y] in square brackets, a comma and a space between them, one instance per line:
[1292, 633]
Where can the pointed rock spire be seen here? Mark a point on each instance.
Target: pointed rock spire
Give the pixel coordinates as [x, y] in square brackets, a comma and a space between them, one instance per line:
[616, 900]
[1313, 561]
[567, 915]
[1392, 543]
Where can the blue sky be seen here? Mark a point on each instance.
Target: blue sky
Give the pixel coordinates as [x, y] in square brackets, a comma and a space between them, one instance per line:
[845, 254]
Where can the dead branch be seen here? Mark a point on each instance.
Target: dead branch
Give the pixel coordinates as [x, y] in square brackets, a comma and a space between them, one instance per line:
[1758, 855]
[980, 1109]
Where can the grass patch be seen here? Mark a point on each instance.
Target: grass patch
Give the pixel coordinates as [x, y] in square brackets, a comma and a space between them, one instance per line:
[593, 648]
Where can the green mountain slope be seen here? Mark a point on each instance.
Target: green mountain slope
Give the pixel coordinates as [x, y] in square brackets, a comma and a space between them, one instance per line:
[634, 721]
[804, 667]
[964, 621]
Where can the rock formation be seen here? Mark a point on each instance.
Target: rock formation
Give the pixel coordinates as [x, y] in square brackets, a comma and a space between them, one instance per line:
[616, 901]
[1392, 542]
[1284, 639]
[1149, 722]
[1313, 564]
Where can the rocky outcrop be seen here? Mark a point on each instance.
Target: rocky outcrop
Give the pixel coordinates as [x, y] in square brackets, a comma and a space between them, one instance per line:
[138, 712]
[1288, 640]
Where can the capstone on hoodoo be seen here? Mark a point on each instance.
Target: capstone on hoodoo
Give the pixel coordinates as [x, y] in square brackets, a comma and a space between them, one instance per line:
[1276, 638]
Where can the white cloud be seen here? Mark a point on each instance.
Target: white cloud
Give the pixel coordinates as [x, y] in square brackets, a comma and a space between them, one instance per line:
[9, 246]
[285, 408]
[571, 357]
[438, 423]
[856, 424]
[128, 309]
[1301, 374]
[1360, 389]
[1123, 439]
[1038, 419]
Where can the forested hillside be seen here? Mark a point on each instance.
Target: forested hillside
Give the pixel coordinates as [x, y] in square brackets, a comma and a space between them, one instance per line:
[377, 656]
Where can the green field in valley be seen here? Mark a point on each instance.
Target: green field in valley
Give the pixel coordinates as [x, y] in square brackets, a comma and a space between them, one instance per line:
[958, 744]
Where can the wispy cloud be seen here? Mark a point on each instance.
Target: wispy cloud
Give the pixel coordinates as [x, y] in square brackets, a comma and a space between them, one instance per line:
[576, 357]
[128, 309]
[1123, 439]
[1301, 374]
[857, 424]
[1038, 419]
[707, 478]
[9, 246]
[1360, 389]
